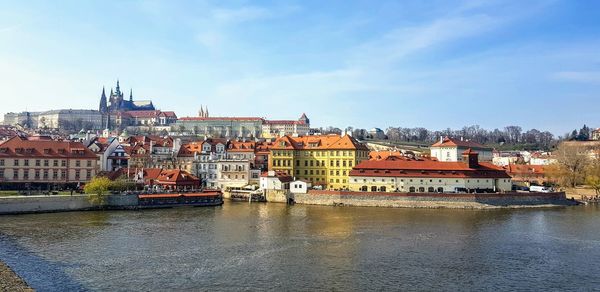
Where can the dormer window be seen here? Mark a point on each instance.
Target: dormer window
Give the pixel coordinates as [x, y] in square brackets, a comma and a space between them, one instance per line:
[46, 151]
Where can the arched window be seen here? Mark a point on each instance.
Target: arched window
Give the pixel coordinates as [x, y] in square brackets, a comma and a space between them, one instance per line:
[411, 190]
[421, 189]
[430, 189]
[440, 190]
[373, 189]
[364, 188]
[382, 189]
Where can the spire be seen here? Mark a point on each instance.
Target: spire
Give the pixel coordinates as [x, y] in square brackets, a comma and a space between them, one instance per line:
[131, 95]
[118, 89]
[103, 108]
[201, 112]
[206, 112]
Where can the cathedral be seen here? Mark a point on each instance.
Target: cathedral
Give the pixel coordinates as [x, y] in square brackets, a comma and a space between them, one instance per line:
[115, 105]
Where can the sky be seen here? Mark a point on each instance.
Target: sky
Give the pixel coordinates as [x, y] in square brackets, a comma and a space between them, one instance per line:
[365, 64]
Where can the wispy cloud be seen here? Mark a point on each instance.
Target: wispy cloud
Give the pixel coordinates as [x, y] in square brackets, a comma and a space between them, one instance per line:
[578, 76]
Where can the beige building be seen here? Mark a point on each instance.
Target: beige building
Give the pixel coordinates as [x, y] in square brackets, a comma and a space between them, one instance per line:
[44, 162]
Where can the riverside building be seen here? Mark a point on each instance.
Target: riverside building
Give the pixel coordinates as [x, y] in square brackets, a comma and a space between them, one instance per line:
[39, 162]
[420, 175]
[324, 160]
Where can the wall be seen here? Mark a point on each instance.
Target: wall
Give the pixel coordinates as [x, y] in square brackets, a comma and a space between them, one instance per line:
[432, 200]
[41, 204]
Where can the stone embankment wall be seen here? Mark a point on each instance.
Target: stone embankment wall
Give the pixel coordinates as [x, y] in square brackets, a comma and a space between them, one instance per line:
[41, 204]
[432, 200]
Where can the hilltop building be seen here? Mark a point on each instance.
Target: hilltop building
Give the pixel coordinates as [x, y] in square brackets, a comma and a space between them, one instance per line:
[450, 150]
[115, 105]
[241, 127]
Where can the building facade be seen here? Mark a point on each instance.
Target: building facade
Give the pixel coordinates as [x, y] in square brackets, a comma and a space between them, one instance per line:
[45, 163]
[324, 160]
[419, 175]
[450, 150]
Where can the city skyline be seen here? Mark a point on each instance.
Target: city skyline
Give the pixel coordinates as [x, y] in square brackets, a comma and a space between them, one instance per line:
[436, 65]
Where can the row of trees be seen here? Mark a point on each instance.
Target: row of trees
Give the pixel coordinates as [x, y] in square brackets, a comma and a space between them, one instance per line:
[512, 135]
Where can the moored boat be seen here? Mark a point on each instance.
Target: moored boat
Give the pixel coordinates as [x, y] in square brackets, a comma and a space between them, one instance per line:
[167, 200]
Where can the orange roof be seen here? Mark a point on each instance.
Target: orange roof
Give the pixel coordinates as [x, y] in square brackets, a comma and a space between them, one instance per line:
[520, 169]
[333, 142]
[425, 168]
[451, 142]
[23, 147]
[239, 146]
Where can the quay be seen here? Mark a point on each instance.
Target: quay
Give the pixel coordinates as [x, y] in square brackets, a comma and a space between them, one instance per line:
[65, 203]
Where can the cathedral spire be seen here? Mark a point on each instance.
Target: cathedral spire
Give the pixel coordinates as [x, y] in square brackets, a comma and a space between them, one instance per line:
[131, 95]
[206, 112]
[118, 88]
[201, 112]
[103, 103]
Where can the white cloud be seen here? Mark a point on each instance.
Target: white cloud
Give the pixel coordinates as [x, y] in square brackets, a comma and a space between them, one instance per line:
[578, 76]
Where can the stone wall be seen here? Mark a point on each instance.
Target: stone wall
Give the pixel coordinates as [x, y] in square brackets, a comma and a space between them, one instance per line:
[41, 204]
[431, 200]
[276, 196]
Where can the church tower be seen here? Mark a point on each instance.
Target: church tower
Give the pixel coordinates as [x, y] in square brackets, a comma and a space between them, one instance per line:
[103, 103]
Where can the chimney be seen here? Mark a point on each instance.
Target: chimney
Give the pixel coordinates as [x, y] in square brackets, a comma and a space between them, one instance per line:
[441, 139]
[471, 158]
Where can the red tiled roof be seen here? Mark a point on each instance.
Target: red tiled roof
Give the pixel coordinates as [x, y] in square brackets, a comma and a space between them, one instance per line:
[521, 169]
[333, 142]
[281, 175]
[426, 168]
[24, 147]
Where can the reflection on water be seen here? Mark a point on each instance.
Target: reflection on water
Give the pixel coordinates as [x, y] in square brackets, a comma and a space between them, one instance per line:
[278, 247]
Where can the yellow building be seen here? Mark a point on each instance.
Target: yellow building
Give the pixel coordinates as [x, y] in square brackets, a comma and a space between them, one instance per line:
[322, 160]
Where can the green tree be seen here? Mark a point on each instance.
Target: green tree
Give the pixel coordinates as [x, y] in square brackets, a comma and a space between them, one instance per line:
[592, 179]
[96, 189]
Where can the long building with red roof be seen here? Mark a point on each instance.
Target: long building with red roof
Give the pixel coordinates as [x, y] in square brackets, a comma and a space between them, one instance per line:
[44, 162]
[428, 176]
[451, 149]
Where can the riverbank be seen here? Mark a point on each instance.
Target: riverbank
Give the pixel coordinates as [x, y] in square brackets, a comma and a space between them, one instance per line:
[9, 281]
[434, 200]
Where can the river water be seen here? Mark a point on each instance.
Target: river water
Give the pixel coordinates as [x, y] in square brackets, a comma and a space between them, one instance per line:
[241, 246]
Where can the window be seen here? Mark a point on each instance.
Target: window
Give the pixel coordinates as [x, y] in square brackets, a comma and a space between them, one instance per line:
[26, 162]
[77, 163]
[382, 189]
[1, 173]
[373, 188]
[37, 174]
[430, 189]
[46, 162]
[16, 174]
[421, 190]
[89, 163]
[37, 162]
[364, 188]
[88, 174]
[440, 190]
[55, 163]
[411, 189]
[26, 174]
[16, 162]
[1, 162]
[45, 174]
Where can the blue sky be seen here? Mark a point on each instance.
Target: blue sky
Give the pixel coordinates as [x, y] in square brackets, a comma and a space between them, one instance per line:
[435, 64]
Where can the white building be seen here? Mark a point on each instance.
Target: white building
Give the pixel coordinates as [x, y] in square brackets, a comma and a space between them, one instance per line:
[429, 176]
[299, 187]
[450, 150]
[275, 180]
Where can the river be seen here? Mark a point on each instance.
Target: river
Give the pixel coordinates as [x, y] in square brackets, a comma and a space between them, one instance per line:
[277, 247]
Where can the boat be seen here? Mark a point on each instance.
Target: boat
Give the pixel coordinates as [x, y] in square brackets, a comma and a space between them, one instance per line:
[168, 200]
